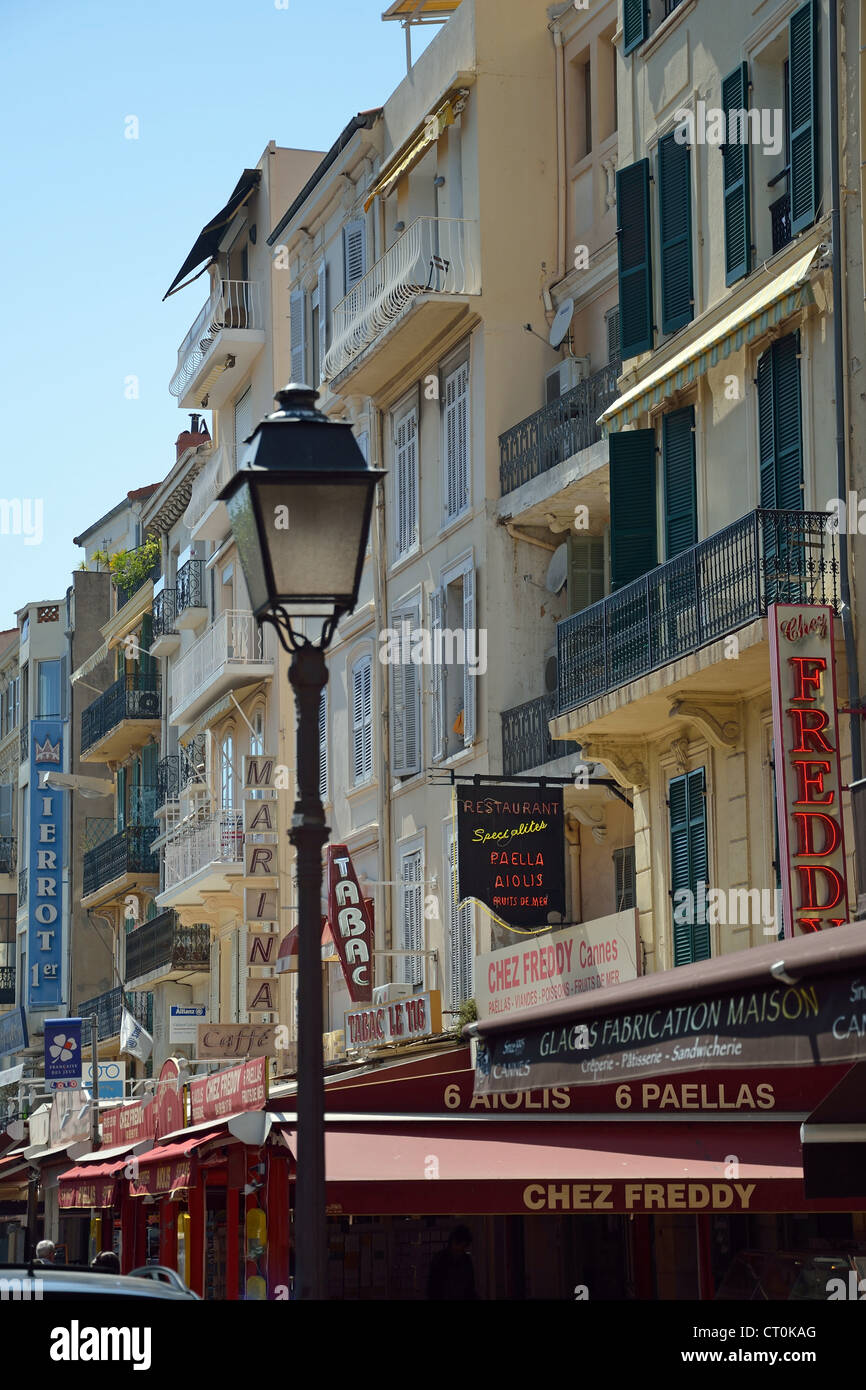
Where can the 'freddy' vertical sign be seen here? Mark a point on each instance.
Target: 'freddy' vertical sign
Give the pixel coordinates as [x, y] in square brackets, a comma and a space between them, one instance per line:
[808, 769]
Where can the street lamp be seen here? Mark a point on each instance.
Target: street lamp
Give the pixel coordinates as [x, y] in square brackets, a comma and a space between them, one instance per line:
[300, 510]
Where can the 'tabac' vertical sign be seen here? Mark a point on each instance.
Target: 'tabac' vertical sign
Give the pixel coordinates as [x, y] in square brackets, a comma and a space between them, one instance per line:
[45, 889]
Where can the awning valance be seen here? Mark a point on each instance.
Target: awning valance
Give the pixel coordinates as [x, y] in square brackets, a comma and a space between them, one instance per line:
[210, 236]
[89, 1185]
[780, 297]
[90, 664]
[170, 1167]
[225, 705]
[413, 150]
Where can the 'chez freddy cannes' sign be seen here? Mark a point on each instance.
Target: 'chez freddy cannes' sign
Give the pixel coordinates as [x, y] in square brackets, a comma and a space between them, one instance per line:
[818, 1021]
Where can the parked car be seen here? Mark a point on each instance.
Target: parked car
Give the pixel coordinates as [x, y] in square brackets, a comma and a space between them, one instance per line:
[41, 1282]
[758, 1275]
[162, 1274]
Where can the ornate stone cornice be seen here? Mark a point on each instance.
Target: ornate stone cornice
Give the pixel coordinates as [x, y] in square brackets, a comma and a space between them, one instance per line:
[718, 720]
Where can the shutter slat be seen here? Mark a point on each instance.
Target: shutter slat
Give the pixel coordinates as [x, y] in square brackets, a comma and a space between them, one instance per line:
[802, 111]
[736, 175]
[675, 233]
[633, 540]
[766, 430]
[789, 452]
[323, 745]
[678, 456]
[354, 252]
[634, 257]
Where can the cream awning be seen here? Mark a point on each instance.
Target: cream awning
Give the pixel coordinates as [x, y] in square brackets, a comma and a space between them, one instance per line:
[90, 664]
[412, 151]
[780, 296]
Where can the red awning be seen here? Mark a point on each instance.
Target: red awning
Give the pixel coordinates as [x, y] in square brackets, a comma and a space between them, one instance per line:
[89, 1185]
[170, 1167]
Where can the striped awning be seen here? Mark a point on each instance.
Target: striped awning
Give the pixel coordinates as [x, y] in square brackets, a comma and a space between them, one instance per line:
[225, 705]
[780, 297]
[412, 151]
[90, 664]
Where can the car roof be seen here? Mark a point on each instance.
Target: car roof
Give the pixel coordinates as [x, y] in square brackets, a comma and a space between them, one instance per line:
[61, 1279]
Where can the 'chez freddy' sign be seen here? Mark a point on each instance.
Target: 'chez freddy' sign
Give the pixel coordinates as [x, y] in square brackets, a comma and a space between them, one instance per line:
[227, 1092]
[808, 771]
[559, 966]
[511, 852]
[818, 1021]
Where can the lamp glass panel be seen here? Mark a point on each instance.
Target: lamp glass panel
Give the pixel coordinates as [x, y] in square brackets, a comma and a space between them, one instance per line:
[314, 533]
[246, 533]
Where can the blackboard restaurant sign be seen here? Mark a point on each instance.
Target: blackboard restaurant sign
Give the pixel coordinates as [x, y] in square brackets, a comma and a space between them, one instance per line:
[511, 852]
[822, 1020]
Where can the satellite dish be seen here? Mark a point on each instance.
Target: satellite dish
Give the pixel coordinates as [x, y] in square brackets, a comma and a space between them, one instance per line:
[557, 570]
[562, 322]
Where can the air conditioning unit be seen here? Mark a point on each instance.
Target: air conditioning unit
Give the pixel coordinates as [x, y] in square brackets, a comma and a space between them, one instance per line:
[566, 374]
[551, 671]
[386, 994]
[148, 704]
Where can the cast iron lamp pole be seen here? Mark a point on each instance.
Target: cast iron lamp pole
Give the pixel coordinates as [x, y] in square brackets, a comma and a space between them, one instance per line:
[300, 513]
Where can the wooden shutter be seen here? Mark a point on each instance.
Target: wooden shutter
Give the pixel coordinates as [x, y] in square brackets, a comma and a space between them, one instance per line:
[354, 252]
[624, 882]
[323, 318]
[789, 439]
[585, 572]
[635, 24]
[457, 441]
[460, 922]
[298, 324]
[440, 735]
[802, 109]
[689, 864]
[766, 430]
[634, 259]
[120, 793]
[735, 181]
[678, 462]
[412, 914]
[612, 325]
[470, 682]
[405, 704]
[362, 719]
[633, 543]
[675, 233]
[323, 745]
[406, 460]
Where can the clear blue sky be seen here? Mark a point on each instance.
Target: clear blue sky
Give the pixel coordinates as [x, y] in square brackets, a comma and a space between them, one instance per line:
[95, 225]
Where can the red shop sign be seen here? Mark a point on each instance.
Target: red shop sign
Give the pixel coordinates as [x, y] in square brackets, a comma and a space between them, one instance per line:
[244, 1087]
[168, 1103]
[156, 1178]
[351, 924]
[128, 1124]
[98, 1193]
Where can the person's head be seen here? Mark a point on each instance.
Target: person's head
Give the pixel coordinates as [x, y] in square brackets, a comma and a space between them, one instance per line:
[45, 1251]
[460, 1240]
[107, 1262]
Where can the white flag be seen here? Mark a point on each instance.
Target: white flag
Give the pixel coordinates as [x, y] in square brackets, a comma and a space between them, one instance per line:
[133, 1038]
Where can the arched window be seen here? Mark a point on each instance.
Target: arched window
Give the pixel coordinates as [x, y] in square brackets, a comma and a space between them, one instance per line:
[227, 775]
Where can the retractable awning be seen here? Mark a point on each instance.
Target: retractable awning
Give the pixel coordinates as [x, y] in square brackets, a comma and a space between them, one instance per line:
[412, 151]
[90, 664]
[781, 296]
[210, 236]
[834, 1140]
[170, 1167]
[90, 1184]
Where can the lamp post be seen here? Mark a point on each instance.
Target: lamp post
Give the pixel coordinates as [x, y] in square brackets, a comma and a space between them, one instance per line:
[300, 510]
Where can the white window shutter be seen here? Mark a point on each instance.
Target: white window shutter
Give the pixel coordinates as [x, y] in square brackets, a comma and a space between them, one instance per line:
[354, 252]
[406, 452]
[233, 981]
[412, 914]
[470, 681]
[323, 319]
[461, 932]
[244, 416]
[323, 745]
[457, 441]
[298, 324]
[362, 719]
[214, 984]
[440, 734]
[363, 442]
[405, 705]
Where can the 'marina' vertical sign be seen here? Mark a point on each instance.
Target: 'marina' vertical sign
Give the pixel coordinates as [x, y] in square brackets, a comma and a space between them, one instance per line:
[808, 770]
[45, 887]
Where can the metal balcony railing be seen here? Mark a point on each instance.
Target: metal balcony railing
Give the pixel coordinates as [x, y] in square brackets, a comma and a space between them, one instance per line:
[141, 805]
[127, 852]
[557, 431]
[133, 696]
[190, 585]
[167, 779]
[179, 770]
[164, 613]
[216, 840]
[22, 887]
[7, 984]
[436, 255]
[8, 854]
[780, 217]
[702, 594]
[108, 1009]
[163, 944]
[234, 637]
[233, 304]
[526, 741]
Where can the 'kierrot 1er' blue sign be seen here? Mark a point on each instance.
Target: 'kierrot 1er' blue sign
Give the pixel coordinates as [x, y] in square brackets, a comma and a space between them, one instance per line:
[45, 891]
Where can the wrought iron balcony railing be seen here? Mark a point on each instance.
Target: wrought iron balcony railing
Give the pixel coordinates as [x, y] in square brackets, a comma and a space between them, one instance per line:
[133, 696]
[167, 779]
[108, 1008]
[8, 854]
[7, 984]
[164, 613]
[780, 217]
[189, 585]
[557, 431]
[217, 840]
[232, 304]
[701, 595]
[163, 943]
[127, 852]
[526, 741]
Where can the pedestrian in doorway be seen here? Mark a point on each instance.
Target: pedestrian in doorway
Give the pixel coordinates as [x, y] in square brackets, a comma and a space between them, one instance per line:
[45, 1252]
[452, 1276]
[106, 1262]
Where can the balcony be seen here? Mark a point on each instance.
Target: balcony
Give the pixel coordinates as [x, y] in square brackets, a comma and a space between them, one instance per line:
[203, 855]
[526, 741]
[179, 770]
[703, 594]
[780, 218]
[206, 517]
[161, 950]
[123, 719]
[418, 290]
[123, 593]
[190, 608]
[108, 1008]
[122, 862]
[228, 655]
[8, 854]
[558, 431]
[222, 345]
[166, 638]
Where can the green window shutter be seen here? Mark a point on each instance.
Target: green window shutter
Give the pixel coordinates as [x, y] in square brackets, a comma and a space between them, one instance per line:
[634, 23]
[802, 114]
[633, 543]
[121, 798]
[585, 571]
[678, 462]
[789, 439]
[735, 182]
[689, 865]
[675, 233]
[145, 642]
[634, 258]
[766, 430]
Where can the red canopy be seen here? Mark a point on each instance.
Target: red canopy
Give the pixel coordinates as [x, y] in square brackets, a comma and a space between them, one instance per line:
[169, 1167]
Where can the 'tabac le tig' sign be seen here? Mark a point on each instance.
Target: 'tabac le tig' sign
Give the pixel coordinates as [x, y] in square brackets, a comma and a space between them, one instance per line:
[511, 852]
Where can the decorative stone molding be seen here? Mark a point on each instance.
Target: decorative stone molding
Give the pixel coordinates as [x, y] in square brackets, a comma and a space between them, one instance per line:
[680, 751]
[626, 762]
[609, 170]
[718, 720]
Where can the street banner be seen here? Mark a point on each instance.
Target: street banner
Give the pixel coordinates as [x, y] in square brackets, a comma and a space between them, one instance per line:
[351, 924]
[511, 853]
[46, 911]
[63, 1050]
[133, 1038]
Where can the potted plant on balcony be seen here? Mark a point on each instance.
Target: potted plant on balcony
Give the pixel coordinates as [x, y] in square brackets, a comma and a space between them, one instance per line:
[130, 568]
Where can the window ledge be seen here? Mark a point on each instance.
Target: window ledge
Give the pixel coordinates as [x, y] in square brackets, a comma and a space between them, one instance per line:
[450, 525]
[359, 788]
[668, 24]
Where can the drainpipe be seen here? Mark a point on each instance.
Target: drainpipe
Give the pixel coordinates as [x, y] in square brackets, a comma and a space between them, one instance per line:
[559, 61]
[841, 449]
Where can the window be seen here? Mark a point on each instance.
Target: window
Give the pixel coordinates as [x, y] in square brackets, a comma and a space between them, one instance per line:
[634, 256]
[7, 801]
[611, 320]
[362, 720]
[48, 689]
[678, 465]
[405, 696]
[675, 233]
[689, 869]
[623, 879]
[320, 330]
[411, 888]
[633, 541]
[406, 482]
[323, 746]
[460, 923]
[227, 775]
[257, 737]
[354, 252]
[457, 660]
[735, 180]
[803, 115]
[583, 105]
[780, 440]
[456, 446]
[298, 329]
